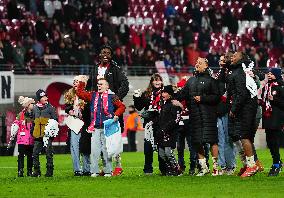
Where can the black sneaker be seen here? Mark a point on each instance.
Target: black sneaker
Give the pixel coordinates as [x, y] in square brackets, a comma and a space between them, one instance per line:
[77, 173]
[49, 173]
[86, 173]
[29, 173]
[191, 172]
[36, 173]
[275, 170]
[20, 173]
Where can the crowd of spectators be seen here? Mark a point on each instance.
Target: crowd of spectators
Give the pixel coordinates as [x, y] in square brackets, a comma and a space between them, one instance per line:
[49, 34]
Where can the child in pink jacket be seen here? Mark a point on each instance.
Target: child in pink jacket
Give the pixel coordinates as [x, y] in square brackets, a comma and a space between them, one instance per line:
[22, 128]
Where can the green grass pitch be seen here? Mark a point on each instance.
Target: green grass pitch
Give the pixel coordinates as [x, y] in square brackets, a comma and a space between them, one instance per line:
[133, 183]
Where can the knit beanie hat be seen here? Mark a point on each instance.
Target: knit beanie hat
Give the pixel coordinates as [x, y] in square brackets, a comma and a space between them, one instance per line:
[25, 101]
[276, 72]
[82, 78]
[39, 94]
[168, 89]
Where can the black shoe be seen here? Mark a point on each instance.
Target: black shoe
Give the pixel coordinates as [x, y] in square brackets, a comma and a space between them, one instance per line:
[191, 172]
[36, 173]
[275, 170]
[29, 173]
[49, 173]
[77, 173]
[86, 174]
[21, 173]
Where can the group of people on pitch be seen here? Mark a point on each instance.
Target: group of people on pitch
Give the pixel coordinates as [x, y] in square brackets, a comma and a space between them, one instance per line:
[219, 113]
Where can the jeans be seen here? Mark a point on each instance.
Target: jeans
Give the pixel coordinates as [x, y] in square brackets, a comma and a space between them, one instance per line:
[74, 148]
[86, 163]
[98, 145]
[227, 154]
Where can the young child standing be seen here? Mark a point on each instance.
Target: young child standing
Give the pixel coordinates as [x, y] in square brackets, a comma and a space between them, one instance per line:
[42, 112]
[166, 135]
[25, 141]
[103, 102]
[273, 114]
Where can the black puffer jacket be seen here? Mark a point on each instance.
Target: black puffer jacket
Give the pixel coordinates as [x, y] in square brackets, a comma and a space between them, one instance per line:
[240, 103]
[202, 115]
[118, 82]
[276, 119]
[168, 122]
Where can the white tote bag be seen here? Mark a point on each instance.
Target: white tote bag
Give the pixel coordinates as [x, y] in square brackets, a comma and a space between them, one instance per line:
[112, 131]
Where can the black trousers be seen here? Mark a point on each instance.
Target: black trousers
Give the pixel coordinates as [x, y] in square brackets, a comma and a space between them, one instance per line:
[273, 143]
[148, 154]
[38, 146]
[184, 134]
[131, 136]
[25, 150]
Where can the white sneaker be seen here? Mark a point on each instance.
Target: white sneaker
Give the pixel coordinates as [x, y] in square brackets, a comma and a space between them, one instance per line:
[215, 172]
[203, 172]
[95, 175]
[230, 171]
[107, 175]
[223, 171]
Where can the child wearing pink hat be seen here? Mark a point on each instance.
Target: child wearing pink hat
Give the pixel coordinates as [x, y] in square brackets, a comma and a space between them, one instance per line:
[21, 128]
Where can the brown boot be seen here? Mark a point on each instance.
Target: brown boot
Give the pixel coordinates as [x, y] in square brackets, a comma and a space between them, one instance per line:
[260, 166]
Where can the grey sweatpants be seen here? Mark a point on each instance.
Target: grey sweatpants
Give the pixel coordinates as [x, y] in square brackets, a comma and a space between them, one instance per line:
[167, 154]
[98, 145]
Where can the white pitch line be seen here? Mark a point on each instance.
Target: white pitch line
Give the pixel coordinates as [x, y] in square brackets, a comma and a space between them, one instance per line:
[7, 167]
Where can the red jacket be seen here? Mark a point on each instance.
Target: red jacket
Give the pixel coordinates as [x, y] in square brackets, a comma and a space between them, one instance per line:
[87, 96]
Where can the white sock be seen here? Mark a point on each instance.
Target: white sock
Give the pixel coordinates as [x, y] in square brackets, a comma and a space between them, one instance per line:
[118, 161]
[202, 163]
[250, 161]
[215, 162]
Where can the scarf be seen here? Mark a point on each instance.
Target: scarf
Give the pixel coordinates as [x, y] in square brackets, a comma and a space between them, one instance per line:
[104, 97]
[155, 100]
[265, 100]
[250, 83]
[40, 105]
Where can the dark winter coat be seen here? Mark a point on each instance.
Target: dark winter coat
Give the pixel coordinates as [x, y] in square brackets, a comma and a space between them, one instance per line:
[240, 103]
[168, 122]
[144, 102]
[276, 120]
[118, 82]
[203, 114]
